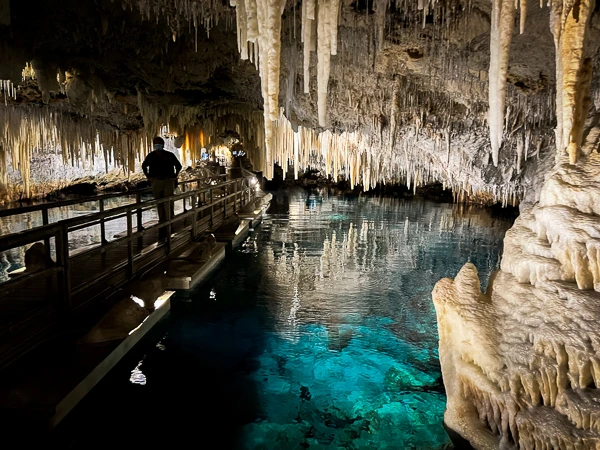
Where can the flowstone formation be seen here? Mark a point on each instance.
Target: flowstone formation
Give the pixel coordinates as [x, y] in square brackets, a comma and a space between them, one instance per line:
[521, 363]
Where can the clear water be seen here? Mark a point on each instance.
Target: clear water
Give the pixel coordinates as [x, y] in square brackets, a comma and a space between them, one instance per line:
[318, 333]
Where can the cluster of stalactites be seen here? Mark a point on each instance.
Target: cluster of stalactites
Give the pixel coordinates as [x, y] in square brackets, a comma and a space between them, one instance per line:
[366, 158]
[182, 14]
[569, 23]
[259, 38]
[24, 130]
[200, 128]
[259, 28]
[225, 128]
[7, 90]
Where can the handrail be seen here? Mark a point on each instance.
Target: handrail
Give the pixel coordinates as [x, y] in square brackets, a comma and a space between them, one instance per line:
[38, 233]
[45, 206]
[24, 237]
[73, 221]
[74, 283]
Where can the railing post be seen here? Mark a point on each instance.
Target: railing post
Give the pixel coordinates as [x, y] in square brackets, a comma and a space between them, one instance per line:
[194, 199]
[129, 244]
[138, 201]
[102, 228]
[235, 196]
[62, 259]
[212, 208]
[169, 228]
[45, 222]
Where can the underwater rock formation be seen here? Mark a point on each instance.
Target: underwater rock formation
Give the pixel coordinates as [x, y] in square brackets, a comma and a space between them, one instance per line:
[521, 362]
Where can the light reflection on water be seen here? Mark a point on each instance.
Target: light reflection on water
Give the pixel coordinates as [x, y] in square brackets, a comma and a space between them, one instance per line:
[319, 332]
[345, 287]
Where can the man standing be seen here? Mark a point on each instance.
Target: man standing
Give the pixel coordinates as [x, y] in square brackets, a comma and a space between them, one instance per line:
[162, 167]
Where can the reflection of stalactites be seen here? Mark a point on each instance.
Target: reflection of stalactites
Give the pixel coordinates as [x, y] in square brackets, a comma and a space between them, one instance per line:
[292, 318]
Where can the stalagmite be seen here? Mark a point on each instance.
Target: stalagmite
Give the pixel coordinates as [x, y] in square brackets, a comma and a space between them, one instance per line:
[503, 12]
[520, 361]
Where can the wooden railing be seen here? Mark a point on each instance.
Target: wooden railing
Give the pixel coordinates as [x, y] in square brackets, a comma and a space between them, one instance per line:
[77, 279]
[43, 208]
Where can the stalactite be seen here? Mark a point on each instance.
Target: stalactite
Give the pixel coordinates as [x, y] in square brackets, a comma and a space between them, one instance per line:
[25, 130]
[503, 12]
[569, 23]
[523, 15]
[308, 19]
[326, 46]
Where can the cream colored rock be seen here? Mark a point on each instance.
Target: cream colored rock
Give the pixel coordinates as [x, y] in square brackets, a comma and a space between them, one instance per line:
[521, 363]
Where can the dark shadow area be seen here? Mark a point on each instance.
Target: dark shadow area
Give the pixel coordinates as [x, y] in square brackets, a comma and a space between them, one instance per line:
[459, 442]
[188, 378]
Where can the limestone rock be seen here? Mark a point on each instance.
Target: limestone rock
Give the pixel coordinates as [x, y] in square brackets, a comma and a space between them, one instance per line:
[36, 259]
[521, 363]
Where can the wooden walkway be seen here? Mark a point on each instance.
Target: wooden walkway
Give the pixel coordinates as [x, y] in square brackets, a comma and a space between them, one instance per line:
[34, 306]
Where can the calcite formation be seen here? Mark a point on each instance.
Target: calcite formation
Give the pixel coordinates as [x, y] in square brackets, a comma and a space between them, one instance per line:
[521, 362]
[390, 91]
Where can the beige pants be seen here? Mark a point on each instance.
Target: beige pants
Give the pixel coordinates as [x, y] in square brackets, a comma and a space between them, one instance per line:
[162, 189]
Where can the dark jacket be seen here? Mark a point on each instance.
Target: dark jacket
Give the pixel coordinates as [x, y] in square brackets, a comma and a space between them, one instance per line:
[161, 164]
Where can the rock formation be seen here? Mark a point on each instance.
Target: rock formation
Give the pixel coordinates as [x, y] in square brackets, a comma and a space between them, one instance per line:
[377, 92]
[521, 363]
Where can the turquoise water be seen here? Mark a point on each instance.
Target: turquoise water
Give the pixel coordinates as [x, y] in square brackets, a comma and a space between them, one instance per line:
[318, 333]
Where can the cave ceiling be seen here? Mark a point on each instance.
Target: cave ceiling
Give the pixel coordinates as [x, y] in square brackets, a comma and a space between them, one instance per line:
[415, 72]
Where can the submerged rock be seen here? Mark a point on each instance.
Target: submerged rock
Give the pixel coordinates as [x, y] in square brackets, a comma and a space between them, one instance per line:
[401, 378]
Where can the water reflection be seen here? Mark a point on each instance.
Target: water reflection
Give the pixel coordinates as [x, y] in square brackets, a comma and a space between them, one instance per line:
[334, 260]
[319, 332]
